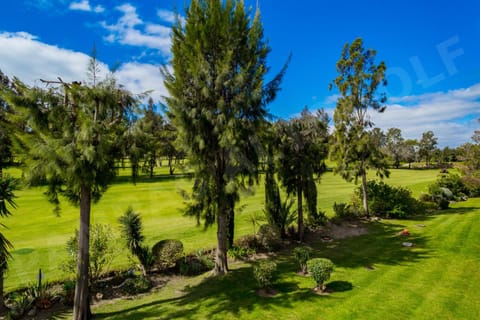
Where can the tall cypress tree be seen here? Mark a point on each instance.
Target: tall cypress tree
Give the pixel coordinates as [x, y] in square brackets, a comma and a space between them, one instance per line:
[217, 101]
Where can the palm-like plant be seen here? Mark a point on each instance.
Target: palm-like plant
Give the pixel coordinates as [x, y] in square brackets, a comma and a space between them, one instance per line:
[7, 200]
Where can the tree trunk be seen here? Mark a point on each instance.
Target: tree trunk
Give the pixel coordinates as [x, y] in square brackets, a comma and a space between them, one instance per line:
[231, 227]
[221, 265]
[301, 226]
[170, 166]
[364, 191]
[81, 307]
[2, 304]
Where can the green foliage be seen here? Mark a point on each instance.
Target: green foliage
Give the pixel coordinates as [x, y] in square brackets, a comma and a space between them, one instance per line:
[68, 292]
[217, 101]
[427, 146]
[196, 263]
[167, 252]
[355, 147]
[342, 211]
[302, 149]
[240, 253]
[320, 270]
[455, 184]
[264, 273]
[278, 213]
[8, 185]
[132, 231]
[302, 255]
[248, 241]
[472, 184]
[138, 284]
[389, 201]
[103, 251]
[269, 237]
[440, 195]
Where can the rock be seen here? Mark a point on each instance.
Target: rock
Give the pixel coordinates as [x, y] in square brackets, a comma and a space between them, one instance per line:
[407, 244]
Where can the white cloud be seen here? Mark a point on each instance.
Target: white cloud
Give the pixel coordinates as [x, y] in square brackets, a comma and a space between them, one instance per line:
[131, 30]
[84, 5]
[451, 115]
[166, 15]
[30, 60]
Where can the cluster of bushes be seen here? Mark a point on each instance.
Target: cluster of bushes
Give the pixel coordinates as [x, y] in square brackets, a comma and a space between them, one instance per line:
[319, 269]
[387, 201]
[450, 187]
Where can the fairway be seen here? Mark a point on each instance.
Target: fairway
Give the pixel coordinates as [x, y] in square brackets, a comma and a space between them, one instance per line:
[39, 236]
[437, 279]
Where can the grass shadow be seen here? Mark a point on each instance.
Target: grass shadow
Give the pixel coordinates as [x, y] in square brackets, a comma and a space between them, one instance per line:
[340, 286]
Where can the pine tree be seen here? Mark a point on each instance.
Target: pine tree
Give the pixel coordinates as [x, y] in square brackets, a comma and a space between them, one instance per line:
[77, 131]
[217, 102]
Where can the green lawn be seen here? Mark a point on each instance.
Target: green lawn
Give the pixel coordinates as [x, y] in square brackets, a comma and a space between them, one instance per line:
[39, 236]
[437, 279]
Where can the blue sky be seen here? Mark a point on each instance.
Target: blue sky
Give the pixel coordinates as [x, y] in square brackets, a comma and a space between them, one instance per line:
[432, 51]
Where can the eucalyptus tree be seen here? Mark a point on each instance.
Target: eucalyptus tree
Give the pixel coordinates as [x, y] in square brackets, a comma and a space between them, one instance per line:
[77, 130]
[427, 145]
[353, 150]
[395, 145]
[302, 149]
[218, 97]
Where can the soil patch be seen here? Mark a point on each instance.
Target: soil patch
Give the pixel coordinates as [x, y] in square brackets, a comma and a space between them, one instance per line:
[267, 292]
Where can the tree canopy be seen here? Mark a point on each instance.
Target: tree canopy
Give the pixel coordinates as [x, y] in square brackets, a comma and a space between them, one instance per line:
[218, 98]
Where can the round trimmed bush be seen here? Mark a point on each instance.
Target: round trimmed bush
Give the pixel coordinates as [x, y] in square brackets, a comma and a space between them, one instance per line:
[320, 269]
[302, 255]
[167, 252]
[264, 273]
[269, 237]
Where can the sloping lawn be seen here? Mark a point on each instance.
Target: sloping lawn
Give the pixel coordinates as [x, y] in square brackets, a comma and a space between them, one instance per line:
[436, 279]
[39, 237]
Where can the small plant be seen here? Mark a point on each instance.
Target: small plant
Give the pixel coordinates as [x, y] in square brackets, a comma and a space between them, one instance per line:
[240, 253]
[302, 255]
[343, 211]
[131, 228]
[247, 241]
[102, 251]
[196, 263]
[269, 237]
[264, 273]
[68, 292]
[167, 252]
[320, 269]
[136, 285]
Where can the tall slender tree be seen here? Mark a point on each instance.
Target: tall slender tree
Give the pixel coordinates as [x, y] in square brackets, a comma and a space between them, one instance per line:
[395, 145]
[217, 101]
[426, 146]
[302, 151]
[354, 149]
[77, 130]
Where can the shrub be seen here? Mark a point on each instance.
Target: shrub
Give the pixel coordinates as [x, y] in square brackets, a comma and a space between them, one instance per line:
[247, 241]
[472, 184]
[240, 253]
[342, 212]
[455, 184]
[320, 269]
[269, 237]
[103, 250]
[136, 285]
[167, 252]
[390, 202]
[316, 219]
[302, 255]
[264, 273]
[131, 228]
[68, 292]
[441, 196]
[196, 263]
